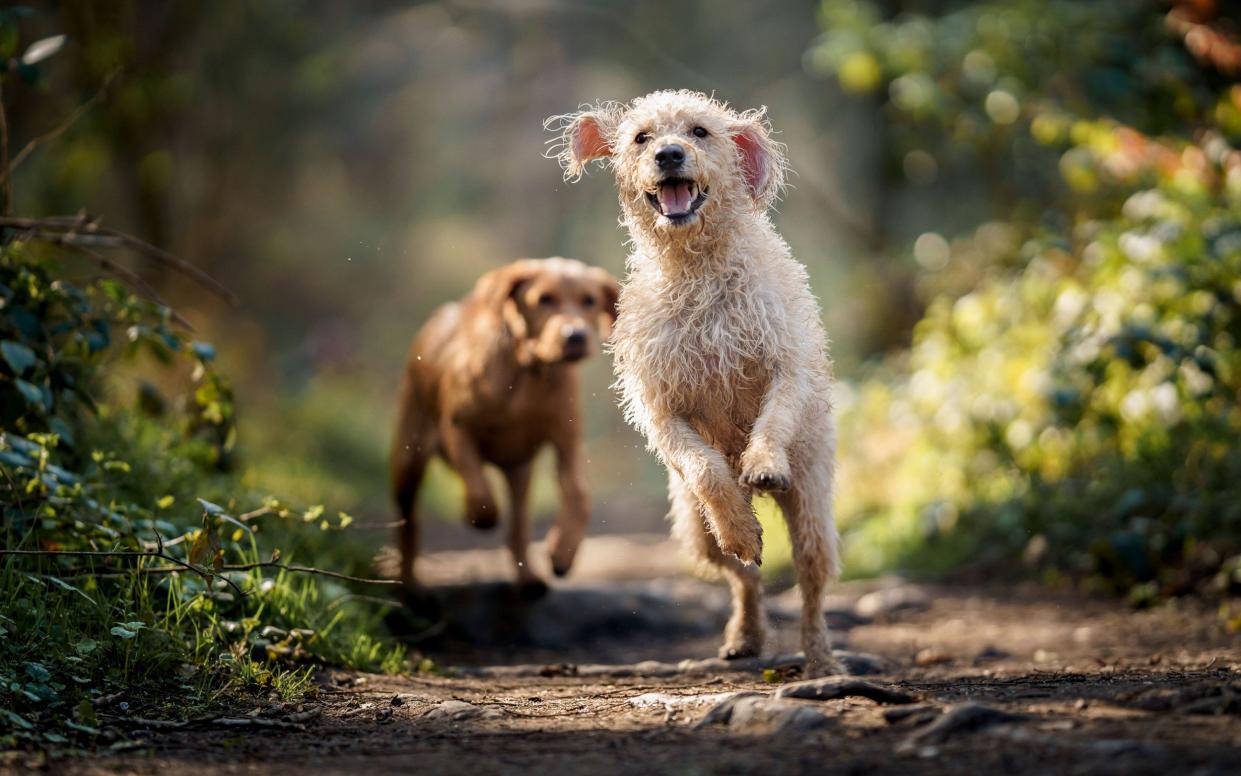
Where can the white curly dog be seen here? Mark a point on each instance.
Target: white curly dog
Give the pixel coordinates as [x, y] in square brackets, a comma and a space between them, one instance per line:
[720, 353]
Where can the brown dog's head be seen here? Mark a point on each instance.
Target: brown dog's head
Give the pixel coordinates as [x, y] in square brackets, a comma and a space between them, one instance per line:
[556, 309]
[681, 158]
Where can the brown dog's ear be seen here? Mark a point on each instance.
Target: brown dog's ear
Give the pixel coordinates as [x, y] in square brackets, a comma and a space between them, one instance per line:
[584, 137]
[498, 290]
[609, 293]
[500, 285]
[761, 158]
[609, 287]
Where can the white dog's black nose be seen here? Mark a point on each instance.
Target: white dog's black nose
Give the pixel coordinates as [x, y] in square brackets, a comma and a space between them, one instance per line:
[670, 157]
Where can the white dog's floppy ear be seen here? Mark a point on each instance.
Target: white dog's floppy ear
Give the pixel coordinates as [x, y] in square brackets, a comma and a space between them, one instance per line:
[584, 137]
[761, 158]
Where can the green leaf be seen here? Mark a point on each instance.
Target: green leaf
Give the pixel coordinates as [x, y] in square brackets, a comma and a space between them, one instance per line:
[85, 646]
[86, 714]
[204, 350]
[210, 508]
[66, 586]
[19, 357]
[123, 632]
[27, 323]
[32, 393]
[236, 522]
[16, 719]
[38, 671]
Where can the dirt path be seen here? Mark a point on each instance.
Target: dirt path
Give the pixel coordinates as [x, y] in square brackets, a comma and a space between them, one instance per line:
[606, 675]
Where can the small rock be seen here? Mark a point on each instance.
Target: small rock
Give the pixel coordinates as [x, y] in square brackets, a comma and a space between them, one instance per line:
[882, 604]
[989, 653]
[558, 669]
[835, 687]
[932, 657]
[757, 713]
[917, 715]
[962, 718]
[453, 711]
[861, 663]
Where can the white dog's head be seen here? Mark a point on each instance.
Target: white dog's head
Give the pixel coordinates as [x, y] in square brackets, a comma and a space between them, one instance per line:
[681, 159]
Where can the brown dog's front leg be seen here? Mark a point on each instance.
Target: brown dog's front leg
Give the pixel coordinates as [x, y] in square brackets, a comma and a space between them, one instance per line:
[566, 534]
[528, 583]
[462, 455]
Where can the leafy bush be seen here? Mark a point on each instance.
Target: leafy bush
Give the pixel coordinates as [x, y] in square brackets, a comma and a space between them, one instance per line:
[1071, 396]
[121, 574]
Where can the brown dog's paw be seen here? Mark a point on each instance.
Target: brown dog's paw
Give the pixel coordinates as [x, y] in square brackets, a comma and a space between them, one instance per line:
[738, 651]
[481, 513]
[531, 588]
[767, 481]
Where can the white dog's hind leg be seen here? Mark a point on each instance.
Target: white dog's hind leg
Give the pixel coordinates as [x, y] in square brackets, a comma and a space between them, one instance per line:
[807, 511]
[743, 637]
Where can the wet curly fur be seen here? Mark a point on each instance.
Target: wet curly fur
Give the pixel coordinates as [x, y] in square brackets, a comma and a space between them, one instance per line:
[720, 354]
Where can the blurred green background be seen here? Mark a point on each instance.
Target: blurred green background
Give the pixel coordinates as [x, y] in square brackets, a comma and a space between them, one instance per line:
[1022, 220]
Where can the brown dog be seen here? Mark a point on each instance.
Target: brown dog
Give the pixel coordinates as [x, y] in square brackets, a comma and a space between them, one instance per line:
[491, 379]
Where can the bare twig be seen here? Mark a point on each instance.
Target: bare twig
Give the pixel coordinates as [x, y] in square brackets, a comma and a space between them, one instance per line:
[260, 512]
[375, 526]
[182, 566]
[231, 722]
[81, 231]
[206, 575]
[311, 570]
[132, 279]
[7, 170]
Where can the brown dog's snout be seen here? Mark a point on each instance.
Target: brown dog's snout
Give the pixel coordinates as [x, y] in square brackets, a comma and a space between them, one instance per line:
[576, 340]
[670, 157]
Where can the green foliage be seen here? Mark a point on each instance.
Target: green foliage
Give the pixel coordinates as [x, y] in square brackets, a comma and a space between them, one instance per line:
[126, 518]
[1071, 395]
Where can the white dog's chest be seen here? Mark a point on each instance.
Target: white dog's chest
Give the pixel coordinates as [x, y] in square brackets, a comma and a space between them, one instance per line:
[705, 361]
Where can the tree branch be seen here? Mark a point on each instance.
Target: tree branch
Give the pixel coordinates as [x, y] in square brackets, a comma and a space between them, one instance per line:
[129, 277]
[310, 570]
[82, 231]
[182, 566]
[6, 171]
[206, 575]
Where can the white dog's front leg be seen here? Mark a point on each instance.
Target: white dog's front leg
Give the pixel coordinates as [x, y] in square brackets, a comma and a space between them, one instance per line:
[765, 462]
[704, 469]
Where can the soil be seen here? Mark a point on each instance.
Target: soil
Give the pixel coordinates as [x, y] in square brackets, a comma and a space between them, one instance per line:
[613, 672]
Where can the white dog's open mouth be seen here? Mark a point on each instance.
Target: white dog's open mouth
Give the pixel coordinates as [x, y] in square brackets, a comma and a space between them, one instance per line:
[677, 199]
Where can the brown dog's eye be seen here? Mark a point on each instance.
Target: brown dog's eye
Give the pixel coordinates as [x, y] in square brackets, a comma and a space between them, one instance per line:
[588, 301]
[546, 300]
[641, 138]
[700, 132]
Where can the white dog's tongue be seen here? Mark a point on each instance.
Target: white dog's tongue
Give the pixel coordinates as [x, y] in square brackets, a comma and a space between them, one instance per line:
[675, 198]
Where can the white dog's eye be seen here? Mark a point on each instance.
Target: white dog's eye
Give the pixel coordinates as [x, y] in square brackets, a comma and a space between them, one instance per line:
[588, 301]
[700, 132]
[546, 300]
[641, 138]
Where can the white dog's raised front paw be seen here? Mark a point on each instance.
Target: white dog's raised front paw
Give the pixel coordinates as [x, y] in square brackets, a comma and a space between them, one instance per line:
[742, 537]
[765, 469]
